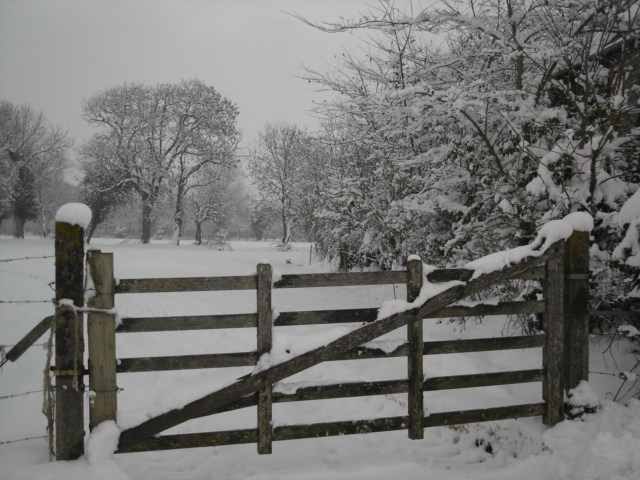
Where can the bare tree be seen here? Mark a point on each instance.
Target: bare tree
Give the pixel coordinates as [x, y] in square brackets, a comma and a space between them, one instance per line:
[209, 200]
[276, 165]
[32, 151]
[161, 136]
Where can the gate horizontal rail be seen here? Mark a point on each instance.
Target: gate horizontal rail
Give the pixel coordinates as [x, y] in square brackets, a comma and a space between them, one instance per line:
[330, 429]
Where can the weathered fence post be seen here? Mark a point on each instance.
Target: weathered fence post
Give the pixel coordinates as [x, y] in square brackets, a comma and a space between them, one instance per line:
[576, 309]
[69, 341]
[553, 350]
[102, 340]
[265, 336]
[415, 355]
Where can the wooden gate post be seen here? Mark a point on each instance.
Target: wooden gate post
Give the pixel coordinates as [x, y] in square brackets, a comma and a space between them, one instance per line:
[69, 340]
[576, 309]
[553, 350]
[415, 356]
[101, 331]
[265, 336]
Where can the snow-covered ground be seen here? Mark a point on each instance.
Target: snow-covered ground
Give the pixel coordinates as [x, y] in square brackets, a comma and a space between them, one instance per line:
[604, 445]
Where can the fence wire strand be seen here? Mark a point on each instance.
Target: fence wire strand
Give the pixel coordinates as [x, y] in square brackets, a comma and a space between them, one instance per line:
[26, 301]
[22, 440]
[5, 260]
[4, 397]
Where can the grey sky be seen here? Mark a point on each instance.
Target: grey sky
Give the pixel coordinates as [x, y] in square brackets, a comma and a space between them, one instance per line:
[54, 53]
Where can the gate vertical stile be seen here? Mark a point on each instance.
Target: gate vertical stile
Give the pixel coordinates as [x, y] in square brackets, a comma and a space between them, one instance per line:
[415, 355]
[101, 332]
[553, 350]
[69, 342]
[264, 342]
[576, 307]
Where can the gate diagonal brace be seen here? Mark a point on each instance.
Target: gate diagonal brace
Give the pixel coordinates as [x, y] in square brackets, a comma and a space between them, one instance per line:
[248, 385]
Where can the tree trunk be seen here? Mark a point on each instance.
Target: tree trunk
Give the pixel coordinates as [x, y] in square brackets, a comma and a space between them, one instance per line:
[286, 229]
[43, 219]
[18, 226]
[146, 222]
[91, 230]
[198, 237]
[177, 234]
[179, 213]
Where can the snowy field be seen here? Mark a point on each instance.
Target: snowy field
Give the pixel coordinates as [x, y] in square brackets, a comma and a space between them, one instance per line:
[603, 446]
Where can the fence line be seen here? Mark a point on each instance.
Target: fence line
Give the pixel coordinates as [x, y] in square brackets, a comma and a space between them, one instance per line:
[27, 301]
[4, 260]
[7, 442]
[5, 397]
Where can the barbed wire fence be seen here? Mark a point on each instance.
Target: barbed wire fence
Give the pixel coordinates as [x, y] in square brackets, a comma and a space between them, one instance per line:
[47, 390]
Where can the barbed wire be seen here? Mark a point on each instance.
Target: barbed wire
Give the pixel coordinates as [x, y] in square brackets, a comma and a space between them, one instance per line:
[4, 397]
[4, 260]
[22, 440]
[26, 301]
[43, 344]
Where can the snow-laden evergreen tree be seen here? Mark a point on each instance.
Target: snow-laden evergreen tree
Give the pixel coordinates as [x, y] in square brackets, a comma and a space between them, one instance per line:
[460, 144]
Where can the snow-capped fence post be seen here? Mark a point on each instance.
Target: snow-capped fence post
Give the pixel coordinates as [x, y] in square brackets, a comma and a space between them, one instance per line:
[101, 331]
[553, 350]
[69, 332]
[265, 336]
[415, 354]
[576, 309]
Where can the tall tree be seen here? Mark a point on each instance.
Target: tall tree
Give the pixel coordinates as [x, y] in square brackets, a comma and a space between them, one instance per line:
[526, 114]
[276, 165]
[104, 186]
[32, 152]
[162, 135]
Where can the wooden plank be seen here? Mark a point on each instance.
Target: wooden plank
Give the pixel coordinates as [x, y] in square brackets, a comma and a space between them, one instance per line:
[483, 380]
[483, 344]
[576, 310]
[264, 341]
[251, 383]
[485, 310]
[441, 419]
[102, 340]
[366, 353]
[415, 354]
[199, 322]
[553, 351]
[449, 346]
[343, 390]
[310, 280]
[30, 338]
[69, 342]
[186, 362]
[449, 274]
[185, 284]
[193, 440]
[463, 275]
[329, 429]
[370, 314]
[320, 317]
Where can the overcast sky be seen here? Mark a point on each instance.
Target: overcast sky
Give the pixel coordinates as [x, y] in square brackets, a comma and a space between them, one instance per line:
[55, 53]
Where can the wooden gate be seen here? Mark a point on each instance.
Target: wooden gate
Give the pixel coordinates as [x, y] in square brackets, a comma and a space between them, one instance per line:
[564, 345]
